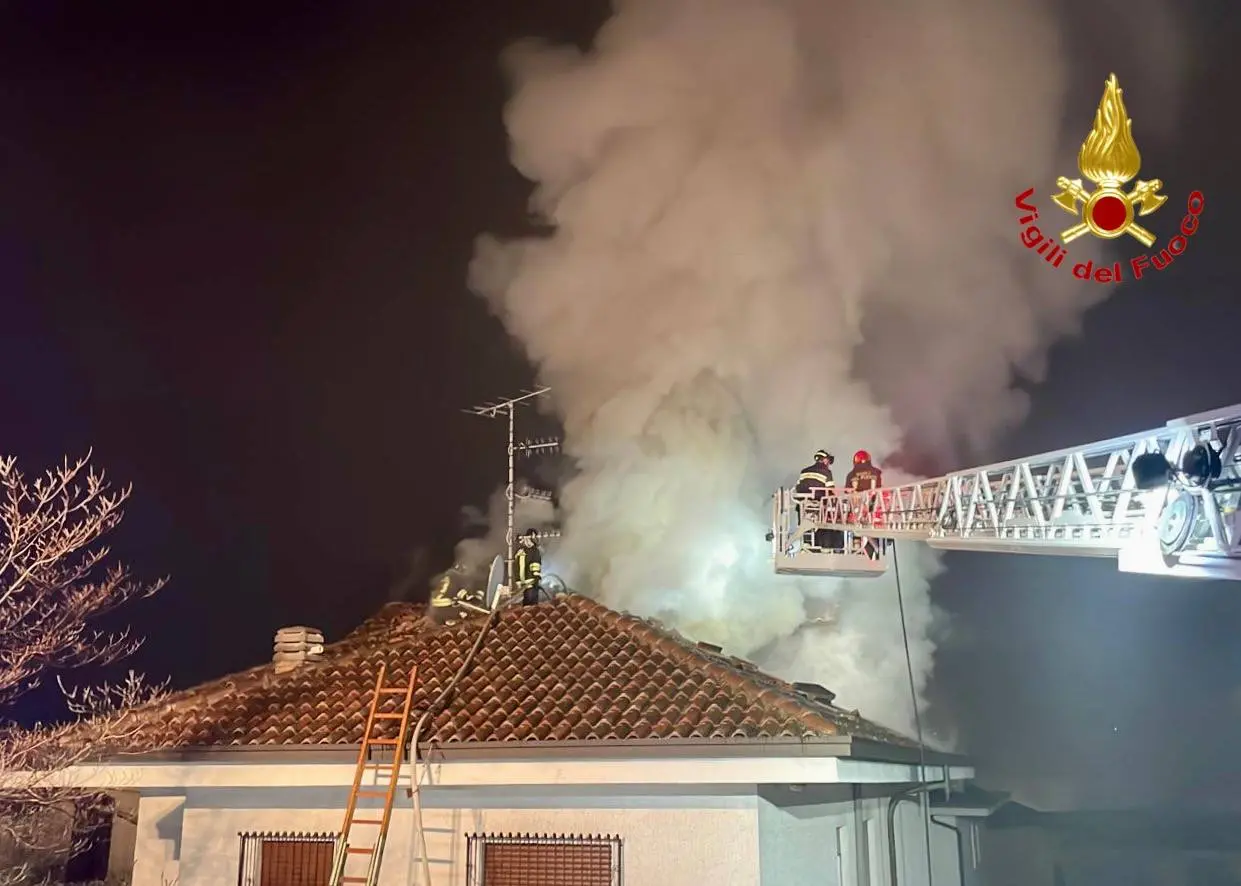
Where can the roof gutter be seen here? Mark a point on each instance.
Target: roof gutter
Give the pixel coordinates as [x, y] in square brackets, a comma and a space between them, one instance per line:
[479, 751]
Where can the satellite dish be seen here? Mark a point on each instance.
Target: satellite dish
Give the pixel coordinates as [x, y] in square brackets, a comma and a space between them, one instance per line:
[495, 577]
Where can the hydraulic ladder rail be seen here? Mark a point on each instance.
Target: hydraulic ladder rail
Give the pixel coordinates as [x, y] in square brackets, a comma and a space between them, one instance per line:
[374, 852]
[793, 524]
[1081, 502]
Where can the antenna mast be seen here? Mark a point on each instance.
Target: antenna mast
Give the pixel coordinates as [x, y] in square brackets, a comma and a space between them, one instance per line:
[508, 409]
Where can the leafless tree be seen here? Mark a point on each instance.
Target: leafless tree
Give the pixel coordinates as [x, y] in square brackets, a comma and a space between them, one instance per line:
[55, 583]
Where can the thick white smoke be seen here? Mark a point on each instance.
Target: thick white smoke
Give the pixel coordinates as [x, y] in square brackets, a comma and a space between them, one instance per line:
[772, 221]
[473, 555]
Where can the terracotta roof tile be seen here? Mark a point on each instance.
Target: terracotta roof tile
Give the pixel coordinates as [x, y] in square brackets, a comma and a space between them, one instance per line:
[561, 671]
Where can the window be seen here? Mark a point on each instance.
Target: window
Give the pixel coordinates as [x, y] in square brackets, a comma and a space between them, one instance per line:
[534, 860]
[285, 859]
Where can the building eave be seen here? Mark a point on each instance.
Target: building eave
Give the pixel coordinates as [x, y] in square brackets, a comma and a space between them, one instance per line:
[223, 772]
[687, 748]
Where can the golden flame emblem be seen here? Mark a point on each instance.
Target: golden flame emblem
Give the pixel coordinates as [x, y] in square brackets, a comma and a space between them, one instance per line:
[1109, 157]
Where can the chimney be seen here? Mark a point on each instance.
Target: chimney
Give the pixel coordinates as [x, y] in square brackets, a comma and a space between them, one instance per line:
[295, 645]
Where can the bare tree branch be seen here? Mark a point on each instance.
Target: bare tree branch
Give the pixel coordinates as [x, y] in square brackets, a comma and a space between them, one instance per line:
[55, 582]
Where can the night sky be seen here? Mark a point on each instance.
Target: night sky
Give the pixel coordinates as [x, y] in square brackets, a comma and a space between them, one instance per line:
[232, 260]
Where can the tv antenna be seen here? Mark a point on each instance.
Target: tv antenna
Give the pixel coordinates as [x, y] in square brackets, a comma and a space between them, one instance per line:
[544, 445]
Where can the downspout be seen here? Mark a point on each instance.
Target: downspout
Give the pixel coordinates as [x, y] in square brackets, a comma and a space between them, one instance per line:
[960, 849]
[896, 800]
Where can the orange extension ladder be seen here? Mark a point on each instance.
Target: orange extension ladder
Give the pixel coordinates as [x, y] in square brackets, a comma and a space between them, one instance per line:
[373, 850]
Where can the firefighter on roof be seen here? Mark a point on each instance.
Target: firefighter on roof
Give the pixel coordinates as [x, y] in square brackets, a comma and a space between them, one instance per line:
[447, 595]
[815, 483]
[528, 567]
[441, 599]
[865, 477]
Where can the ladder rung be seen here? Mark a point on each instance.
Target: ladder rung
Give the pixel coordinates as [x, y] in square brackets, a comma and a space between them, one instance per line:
[387, 792]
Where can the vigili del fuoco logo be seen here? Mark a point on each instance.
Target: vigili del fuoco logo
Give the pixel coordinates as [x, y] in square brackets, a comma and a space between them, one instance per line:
[1109, 159]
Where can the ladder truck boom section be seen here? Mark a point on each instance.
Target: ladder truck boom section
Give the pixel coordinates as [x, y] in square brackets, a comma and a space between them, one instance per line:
[1160, 502]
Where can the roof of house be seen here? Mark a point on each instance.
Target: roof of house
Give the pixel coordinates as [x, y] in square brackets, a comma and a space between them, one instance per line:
[1150, 829]
[971, 797]
[563, 671]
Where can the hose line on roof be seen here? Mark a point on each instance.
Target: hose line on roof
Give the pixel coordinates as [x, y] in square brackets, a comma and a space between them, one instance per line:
[415, 785]
[913, 697]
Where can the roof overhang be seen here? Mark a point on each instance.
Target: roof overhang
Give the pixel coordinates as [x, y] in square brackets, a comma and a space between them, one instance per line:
[510, 774]
[664, 748]
[665, 762]
[963, 811]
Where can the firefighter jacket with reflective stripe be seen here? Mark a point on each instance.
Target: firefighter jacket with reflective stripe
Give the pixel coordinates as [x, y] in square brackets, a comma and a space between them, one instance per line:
[442, 594]
[864, 477]
[815, 480]
[527, 565]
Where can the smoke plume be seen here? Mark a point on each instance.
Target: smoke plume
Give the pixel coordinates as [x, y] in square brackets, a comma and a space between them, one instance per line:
[777, 226]
[485, 532]
[413, 576]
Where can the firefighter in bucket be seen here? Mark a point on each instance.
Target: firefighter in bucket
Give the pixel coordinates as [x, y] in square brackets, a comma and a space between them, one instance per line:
[814, 486]
[865, 477]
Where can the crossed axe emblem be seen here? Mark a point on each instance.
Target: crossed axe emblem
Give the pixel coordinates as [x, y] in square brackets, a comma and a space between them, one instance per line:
[1101, 211]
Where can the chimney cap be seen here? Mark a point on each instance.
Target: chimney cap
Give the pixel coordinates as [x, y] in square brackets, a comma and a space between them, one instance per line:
[298, 631]
[294, 645]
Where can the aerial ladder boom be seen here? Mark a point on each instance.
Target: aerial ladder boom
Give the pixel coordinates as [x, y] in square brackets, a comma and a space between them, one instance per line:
[1162, 502]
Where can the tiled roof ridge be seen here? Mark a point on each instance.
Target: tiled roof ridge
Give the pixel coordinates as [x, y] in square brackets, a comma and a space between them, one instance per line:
[351, 646]
[394, 614]
[688, 653]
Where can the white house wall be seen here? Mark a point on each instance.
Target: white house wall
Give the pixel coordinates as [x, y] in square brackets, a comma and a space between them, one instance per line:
[685, 821]
[697, 840]
[669, 839]
[838, 836]
[157, 841]
[911, 855]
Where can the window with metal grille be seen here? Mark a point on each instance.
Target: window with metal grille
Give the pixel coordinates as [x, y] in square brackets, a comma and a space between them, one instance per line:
[285, 859]
[539, 860]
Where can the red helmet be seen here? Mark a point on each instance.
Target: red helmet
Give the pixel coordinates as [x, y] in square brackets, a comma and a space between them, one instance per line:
[861, 457]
